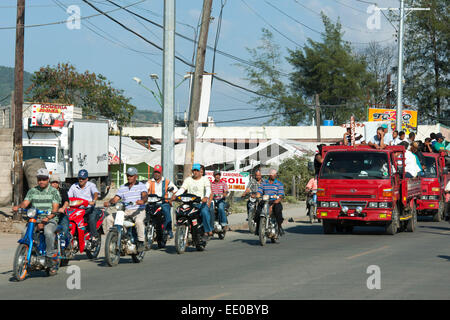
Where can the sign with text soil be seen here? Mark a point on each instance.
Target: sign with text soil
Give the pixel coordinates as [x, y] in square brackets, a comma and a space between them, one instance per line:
[236, 181]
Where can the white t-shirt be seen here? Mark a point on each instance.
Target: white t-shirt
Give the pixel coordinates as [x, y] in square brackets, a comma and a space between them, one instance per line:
[201, 187]
[411, 163]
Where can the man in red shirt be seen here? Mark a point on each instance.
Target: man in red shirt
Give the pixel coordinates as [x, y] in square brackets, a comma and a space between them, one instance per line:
[219, 191]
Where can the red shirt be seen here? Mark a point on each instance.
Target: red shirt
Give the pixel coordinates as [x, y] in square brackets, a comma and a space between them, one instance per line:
[218, 188]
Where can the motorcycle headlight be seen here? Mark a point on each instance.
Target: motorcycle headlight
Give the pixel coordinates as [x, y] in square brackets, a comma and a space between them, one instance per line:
[119, 206]
[252, 199]
[265, 197]
[186, 199]
[31, 213]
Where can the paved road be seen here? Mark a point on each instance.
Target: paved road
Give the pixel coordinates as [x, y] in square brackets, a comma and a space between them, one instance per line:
[306, 264]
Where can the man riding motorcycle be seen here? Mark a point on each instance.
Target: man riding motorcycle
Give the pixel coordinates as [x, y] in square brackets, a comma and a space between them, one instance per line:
[160, 186]
[253, 187]
[271, 187]
[219, 191]
[310, 187]
[135, 192]
[201, 187]
[46, 198]
[63, 217]
[87, 190]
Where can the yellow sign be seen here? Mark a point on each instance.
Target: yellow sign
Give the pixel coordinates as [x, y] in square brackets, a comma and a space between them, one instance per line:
[409, 121]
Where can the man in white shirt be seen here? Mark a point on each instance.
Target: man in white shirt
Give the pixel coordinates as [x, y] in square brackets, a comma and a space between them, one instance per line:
[387, 138]
[160, 186]
[201, 187]
[411, 167]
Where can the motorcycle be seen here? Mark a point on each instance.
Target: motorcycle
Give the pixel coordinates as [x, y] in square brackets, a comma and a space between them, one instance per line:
[122, 238]
[218, 229]
[268, 226]
[189, 221]
[155, 220]
[31, 252]
[80, 238]
[253, 204]
[312, 210]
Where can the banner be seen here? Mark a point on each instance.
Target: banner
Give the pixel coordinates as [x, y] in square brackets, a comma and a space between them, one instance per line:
[236, 181]
[409, 121]
[51, 115]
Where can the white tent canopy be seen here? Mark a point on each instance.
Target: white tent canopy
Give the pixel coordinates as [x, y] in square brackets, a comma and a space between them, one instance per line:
[206, 153]
[132, 152]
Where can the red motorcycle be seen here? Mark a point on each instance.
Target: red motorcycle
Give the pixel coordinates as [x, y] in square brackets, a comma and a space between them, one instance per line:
[78, 228]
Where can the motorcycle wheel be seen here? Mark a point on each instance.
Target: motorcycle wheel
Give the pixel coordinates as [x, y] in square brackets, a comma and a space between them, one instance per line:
[162, 239]
[251, 222]
[180, 241]
[93, 252]
[262, 231]
[20, 262]
[149, 235]
[112, 253]
[199, 243]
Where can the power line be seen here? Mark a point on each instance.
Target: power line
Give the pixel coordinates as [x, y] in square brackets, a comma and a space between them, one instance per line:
[65, 21]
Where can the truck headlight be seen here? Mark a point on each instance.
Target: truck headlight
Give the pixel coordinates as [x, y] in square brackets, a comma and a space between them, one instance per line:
[373, 204]
[424, 197]
[383, 205]
[344, 209]
[359, 209]
[334, 204]
[324, 204]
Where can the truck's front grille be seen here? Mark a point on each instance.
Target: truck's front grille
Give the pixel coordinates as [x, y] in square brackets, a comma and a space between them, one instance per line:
[353, 204]
[357, 196]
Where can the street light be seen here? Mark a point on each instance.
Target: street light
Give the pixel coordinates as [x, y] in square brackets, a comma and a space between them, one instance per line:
[139, 82]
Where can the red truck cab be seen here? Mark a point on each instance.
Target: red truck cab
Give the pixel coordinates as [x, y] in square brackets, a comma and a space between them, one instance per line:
[360, 185]
[433, 184]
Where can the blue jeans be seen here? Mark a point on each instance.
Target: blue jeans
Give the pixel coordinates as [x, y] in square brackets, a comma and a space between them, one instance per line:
[165, 208]
[93, 213]
[64, 223]
[222, 215]
[204, 213]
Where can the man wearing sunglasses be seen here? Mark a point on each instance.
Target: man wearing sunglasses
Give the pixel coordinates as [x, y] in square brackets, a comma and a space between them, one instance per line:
[87, 190]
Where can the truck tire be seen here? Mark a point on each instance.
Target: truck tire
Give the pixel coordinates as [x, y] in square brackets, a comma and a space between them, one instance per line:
[439, 215]
[393, 225]
[411, 224]
[328, 227]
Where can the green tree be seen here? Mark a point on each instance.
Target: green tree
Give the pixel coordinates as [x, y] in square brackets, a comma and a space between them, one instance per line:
[294, 167]
[264, 74]
[92, 92]
[426, 43]
[330, 69]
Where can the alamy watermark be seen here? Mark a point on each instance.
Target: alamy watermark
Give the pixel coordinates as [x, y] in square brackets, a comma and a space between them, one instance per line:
[374, 280]
[373, 22]
[74, 280]
[73, 22]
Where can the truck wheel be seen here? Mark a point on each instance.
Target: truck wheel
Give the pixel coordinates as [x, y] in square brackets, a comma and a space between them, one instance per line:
[328, 227]
[439, 215]
[393, 225]
[411, 224]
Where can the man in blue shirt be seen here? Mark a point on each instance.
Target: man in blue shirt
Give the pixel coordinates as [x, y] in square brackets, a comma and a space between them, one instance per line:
[271, 187]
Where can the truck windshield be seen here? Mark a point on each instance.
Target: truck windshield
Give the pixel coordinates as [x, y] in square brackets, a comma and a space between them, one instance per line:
[355, 165]
[48, 154]
[430, 167]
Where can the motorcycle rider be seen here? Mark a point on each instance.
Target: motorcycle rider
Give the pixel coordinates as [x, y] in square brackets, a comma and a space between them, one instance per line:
[63, 217]
[219, 188]
[253, 186]
[45, 197]
[312, 185]
[155, 186]
[87, 190]
[271, 187]
[136, 192]
[201, 187]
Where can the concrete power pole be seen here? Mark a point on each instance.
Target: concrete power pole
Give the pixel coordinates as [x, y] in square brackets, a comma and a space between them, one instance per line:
[318, 117]
[168, 90]
[18, 103]
[196, 89]
[400, 68]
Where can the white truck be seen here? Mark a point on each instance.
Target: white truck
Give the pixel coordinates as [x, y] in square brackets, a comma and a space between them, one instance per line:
[66, 149]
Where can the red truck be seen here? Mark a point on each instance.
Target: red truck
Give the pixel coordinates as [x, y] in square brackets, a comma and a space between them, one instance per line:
[434, 181]
[360, 185]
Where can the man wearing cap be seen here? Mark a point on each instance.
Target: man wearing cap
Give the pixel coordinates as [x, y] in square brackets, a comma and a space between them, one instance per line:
[219, 191]
[201, 187]
[136, 192]
[46, 198]
[64, 204]
[439, 145]
[87, 190]
[160, 186]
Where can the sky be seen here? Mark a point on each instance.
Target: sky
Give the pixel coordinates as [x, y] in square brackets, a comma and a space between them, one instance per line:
[104, 47]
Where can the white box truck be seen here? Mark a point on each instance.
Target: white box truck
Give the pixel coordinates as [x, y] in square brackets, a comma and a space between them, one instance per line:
[69, 146]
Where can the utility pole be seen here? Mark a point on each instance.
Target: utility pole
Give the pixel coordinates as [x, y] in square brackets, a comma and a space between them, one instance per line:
[18, 103]
[400, 68]
[318, 117]
[168, 90]
[388, 94]
[196, 88]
